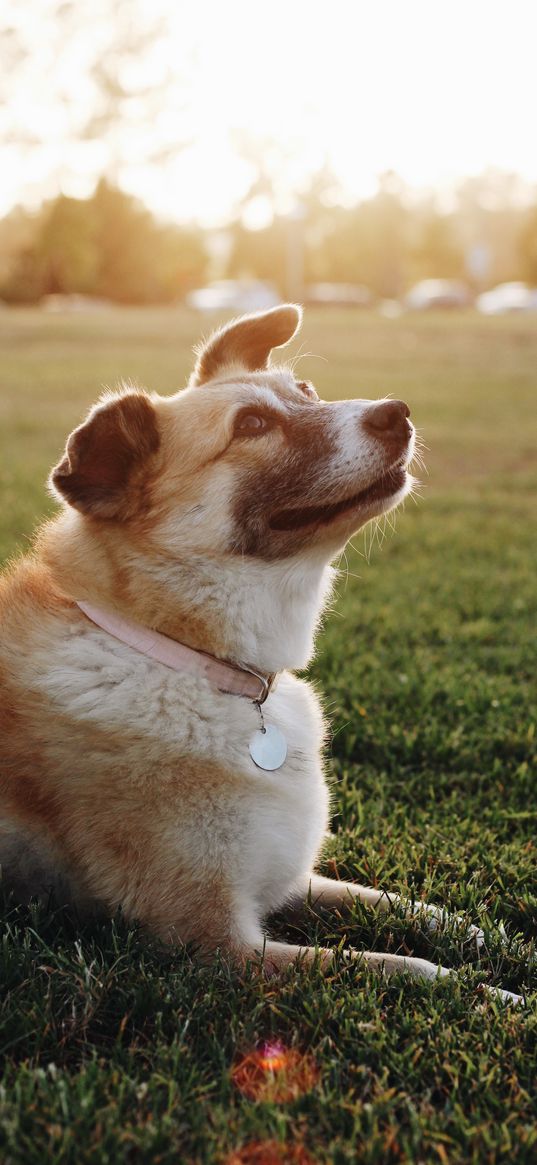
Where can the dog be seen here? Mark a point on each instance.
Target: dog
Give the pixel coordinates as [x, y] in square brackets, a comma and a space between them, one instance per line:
[158, 753]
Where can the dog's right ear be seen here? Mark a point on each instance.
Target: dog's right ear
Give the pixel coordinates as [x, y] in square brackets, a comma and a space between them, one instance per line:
[105, 466]
[246, 343]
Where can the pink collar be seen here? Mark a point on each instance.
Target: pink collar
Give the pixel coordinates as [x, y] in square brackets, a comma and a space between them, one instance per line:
[227, 677]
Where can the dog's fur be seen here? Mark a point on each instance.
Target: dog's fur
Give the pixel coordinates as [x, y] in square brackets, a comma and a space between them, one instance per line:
[132, 782]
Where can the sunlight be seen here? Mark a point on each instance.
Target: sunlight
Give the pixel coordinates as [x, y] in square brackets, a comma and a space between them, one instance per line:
[430, 93]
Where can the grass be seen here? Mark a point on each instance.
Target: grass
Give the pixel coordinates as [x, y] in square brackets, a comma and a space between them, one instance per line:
[112, 1052]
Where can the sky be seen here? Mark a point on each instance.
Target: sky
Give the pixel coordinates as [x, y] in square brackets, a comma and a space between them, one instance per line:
[434, 91]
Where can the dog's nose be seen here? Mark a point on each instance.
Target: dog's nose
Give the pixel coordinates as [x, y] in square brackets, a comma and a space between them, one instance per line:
[388, 417]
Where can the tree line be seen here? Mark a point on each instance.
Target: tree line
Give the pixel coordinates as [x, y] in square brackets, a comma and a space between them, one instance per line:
[110, 246]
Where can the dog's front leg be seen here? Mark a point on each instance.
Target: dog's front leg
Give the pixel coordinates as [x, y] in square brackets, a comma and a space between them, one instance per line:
[276, 956]
[331, 893]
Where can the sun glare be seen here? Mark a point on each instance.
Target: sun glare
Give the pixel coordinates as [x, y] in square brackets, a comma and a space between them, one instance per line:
[274, 1072]
[429, 91]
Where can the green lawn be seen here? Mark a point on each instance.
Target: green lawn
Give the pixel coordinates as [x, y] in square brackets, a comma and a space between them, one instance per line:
[112, 1052]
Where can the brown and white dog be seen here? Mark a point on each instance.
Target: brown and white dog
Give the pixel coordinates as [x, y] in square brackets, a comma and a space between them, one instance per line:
[211, 517]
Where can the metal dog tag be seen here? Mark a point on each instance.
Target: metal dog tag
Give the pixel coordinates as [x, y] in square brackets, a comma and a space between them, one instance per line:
[268, 749]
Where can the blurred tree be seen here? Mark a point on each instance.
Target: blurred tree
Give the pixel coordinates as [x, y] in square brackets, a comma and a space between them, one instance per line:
[490, 210]
[65, 247]
[122, 85]
[130, 91]
[259, 254]
[110, 246]
[368, 243]
[436, 253]
[24, 282]
[183, 260]
[140, 261]
[528, 247]
[17, 233]
[126, 243]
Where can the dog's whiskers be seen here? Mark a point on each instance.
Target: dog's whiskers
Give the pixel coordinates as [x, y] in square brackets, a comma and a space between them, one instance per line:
[291, 364]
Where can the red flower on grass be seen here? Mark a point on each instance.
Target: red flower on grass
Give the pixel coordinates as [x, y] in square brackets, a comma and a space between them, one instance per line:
[274, 1072]
[270, 1153]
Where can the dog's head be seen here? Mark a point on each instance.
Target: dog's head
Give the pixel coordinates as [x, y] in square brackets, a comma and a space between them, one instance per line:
[247, 461]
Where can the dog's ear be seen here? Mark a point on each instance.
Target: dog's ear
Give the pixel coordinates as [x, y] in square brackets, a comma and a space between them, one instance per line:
[246, 343]
[105, 465]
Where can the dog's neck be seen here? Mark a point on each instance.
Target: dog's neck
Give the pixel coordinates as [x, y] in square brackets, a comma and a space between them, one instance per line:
[244, 610]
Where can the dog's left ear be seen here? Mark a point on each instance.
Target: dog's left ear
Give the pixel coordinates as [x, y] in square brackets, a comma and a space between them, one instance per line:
[246, 343]
[106, 462]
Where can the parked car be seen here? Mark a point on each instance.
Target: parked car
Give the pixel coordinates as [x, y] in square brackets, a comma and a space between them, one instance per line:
[233, 295]
[507, 297]
[434, 294]
[338, 295]
[74, 302]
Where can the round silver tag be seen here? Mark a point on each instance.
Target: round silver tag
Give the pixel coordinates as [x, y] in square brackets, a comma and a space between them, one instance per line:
[268, 749]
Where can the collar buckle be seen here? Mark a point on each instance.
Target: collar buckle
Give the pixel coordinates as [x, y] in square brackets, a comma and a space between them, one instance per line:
[267, 684]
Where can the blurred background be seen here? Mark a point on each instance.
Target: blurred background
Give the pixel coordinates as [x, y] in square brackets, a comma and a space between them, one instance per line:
[225, 156]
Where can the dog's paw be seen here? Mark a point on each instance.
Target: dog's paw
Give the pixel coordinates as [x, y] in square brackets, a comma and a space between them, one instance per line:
[472, 932]
[437, 917]
[509, 998]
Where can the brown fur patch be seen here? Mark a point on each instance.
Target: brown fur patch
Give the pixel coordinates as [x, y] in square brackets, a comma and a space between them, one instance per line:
[102, 797]
[106, 458]
[104, 802]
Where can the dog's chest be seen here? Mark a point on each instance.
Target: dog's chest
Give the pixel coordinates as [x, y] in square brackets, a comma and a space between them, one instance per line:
[184, 750]
[94, 679]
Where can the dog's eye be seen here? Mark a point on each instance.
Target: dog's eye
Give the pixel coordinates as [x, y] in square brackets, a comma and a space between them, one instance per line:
[307, 389]
[250, 425]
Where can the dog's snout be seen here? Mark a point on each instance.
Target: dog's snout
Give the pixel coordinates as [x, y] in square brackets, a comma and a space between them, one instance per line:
[388, 418]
